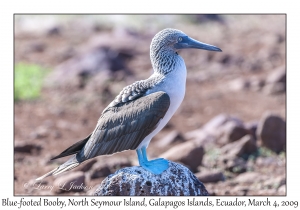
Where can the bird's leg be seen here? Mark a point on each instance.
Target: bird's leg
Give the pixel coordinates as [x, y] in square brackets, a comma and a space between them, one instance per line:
[140, 156]
[144, 153]
[156, 166]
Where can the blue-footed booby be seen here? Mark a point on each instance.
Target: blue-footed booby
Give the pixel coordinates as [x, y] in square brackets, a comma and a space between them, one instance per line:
[141, 109]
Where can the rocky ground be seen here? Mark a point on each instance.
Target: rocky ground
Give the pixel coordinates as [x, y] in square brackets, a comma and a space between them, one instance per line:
[230, 130]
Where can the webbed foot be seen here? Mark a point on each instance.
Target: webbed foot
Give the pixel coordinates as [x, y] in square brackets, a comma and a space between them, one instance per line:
[156, 166]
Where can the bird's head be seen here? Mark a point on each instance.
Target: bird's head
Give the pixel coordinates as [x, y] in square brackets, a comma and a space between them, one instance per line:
[174, 40]
[164, 47]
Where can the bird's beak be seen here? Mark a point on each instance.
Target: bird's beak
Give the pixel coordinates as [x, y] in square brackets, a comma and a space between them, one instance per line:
[188, 42]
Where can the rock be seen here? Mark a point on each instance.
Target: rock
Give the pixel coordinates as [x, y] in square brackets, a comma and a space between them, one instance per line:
[218, 121]
[239, 190]
[282, 190]
[271, 132]
[251, 127]
[276, 81]
[87, 166]
[256, 84]
[235, 165]
[33, 185]
[100, 170]
[56, 30]
[172, 137]
[40, 132]
[275, 182]
[98, 56]
[210, 176]
[239, 84]
[232, 131]
[212, 130]
[207, 18]
[266, 161]
[250, 177]
[104, 168]
[189, 153]
[37, 47]
[244, 146]
[71, 182]
[117, 163]
[176, 180]
[274, 88]
[262, 192]
[27, 148]
[277, 76]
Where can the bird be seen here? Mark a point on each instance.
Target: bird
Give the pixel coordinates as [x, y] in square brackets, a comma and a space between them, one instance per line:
[141, 109]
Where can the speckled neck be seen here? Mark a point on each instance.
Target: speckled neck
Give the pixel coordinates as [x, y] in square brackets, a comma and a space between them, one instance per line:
[163, 60]
[163, 55]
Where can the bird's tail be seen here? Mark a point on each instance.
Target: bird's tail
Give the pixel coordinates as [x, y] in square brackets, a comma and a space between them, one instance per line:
[70, 164]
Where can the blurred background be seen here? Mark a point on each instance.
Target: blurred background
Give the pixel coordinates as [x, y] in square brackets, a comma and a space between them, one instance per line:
[230, 130]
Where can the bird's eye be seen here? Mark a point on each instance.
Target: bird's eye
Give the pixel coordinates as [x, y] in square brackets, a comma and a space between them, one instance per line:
[179, 39]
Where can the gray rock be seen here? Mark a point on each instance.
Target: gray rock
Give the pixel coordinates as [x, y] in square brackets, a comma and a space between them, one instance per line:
[210, 176]
[176, 180]
[172, 137]
[189, 153]
[271, 132]
[71, 182]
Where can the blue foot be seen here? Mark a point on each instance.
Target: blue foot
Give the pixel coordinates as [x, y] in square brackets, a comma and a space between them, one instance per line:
[156, 166]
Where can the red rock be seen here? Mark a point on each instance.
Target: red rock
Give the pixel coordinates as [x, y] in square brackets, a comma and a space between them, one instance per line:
[244, 146]
[210, 176]
[271, 132]
[189, 153]
[27, 148]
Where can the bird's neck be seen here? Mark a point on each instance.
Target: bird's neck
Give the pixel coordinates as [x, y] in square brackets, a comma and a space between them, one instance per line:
[164, 61]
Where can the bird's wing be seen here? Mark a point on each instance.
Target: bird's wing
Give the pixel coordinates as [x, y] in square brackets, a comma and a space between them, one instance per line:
[74, 149]
[125, 125]
[134, 91]
[122, 126]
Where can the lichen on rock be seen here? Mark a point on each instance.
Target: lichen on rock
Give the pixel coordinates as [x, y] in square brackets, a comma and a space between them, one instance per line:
[176, 180]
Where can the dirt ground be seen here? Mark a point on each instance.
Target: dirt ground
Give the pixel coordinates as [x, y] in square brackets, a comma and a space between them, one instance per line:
[253, 47]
